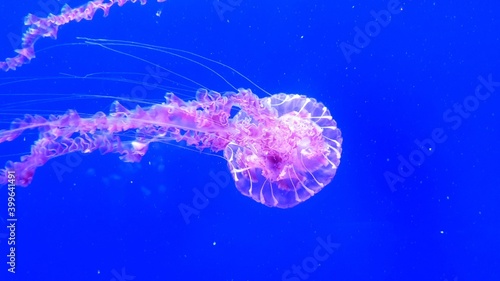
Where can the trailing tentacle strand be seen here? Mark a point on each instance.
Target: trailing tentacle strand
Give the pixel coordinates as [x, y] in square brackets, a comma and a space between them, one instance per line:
[49, 26]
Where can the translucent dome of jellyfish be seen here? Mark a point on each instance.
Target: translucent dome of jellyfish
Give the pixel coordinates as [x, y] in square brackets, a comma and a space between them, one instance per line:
[280, 150]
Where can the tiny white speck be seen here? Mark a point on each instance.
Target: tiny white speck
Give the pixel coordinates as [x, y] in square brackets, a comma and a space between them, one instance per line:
[442, 232]
[214, 243]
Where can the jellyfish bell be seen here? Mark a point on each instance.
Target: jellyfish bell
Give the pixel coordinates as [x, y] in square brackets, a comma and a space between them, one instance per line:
[292, 157]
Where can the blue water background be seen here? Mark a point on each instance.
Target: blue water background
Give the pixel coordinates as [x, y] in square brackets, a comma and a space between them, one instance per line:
[93, 217]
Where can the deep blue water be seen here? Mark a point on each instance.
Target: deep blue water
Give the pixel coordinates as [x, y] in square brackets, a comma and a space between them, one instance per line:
[415, 95]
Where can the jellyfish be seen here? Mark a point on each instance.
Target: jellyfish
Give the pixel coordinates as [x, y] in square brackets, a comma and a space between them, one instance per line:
[280, 150]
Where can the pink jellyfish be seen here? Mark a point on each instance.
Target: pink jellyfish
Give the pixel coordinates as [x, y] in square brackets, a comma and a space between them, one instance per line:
[280, 150]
